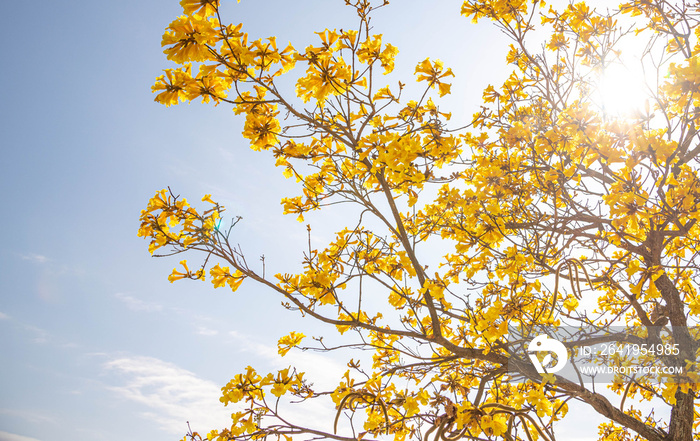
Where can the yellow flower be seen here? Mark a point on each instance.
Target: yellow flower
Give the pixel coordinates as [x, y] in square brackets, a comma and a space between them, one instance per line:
[571, 304]
[262, 130]
[235, 280]
[176, 275]
[203, 8]
[286, 343]
[493, 425]
[172, 86]
[219, 276]
[433, 72]
[324, 77]
[189, 39]
[387, 58]
[369, 49]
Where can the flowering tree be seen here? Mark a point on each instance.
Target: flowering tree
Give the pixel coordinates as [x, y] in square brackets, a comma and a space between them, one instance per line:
[546, 184]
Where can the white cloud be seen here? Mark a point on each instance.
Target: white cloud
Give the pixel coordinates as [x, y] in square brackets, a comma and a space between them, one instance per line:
[36, 258]
[172, 395]
[137, 304]
[30, 416]
[323, 370]
[169, 395]
[206, 331]
[41, 336]
[7, 436]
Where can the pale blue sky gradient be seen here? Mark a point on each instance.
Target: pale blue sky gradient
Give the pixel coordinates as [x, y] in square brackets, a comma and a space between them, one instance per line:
[96, 344]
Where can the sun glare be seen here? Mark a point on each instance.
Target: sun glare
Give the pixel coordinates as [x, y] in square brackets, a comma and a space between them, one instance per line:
[623, 85]
[622, 90]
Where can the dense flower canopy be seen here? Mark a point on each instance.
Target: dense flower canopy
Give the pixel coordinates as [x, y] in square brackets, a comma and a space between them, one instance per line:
[544, 185]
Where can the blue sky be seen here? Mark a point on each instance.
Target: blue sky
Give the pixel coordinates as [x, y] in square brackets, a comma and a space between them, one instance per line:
[96, 344]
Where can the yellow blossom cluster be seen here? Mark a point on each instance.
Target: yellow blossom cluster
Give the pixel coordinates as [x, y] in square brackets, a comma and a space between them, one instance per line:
[542, 209]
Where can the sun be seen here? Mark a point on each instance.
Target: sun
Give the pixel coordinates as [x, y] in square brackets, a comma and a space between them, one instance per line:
[622, 90]
[623, 81]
